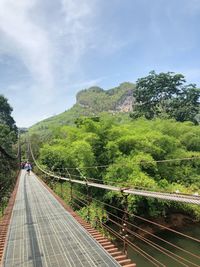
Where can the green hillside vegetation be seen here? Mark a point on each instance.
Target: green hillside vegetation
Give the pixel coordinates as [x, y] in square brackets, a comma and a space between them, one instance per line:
[166, 95]
[90, 102]
[130, 151]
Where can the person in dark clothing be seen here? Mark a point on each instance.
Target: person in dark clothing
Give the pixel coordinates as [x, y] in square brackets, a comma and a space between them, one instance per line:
[28, 167]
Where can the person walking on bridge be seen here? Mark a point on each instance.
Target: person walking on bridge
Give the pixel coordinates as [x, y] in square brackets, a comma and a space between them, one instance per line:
[28, 167]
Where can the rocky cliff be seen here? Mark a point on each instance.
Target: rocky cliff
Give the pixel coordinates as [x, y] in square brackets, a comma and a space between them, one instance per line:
[91, 102]
[118, 99]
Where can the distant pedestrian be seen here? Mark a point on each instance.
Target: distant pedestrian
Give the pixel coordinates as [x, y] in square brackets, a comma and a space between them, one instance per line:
[28, 167]
[22, 165]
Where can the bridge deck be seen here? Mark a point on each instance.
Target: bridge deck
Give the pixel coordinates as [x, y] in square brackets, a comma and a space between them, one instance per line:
[43, 234]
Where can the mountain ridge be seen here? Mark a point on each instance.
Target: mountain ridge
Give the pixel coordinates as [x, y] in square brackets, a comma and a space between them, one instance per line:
[91, 102]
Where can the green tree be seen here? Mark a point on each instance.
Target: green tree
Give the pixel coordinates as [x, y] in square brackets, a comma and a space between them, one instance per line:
[166, 95]
[186, 106]
[8, 137]
[5, 114]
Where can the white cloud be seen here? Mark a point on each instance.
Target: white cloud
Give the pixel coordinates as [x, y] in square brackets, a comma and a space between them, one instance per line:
[77, 33]
[77, 29]
[26, 40]
[62, 43]
[51, 47]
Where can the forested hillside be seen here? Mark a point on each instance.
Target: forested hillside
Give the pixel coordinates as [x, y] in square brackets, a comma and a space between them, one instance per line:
[91, 102]
[113, 100]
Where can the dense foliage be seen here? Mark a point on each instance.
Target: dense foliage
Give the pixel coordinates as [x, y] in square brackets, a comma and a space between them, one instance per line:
[166, 95]
[130, 151]
[8, 138]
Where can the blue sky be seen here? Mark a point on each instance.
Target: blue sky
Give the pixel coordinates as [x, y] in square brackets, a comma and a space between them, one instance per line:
[51, 49]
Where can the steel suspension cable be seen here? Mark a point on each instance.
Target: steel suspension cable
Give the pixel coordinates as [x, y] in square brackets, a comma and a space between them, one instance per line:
[158, 247]
[147, 240]
[149, 221]
[119, 236]
[136, 248]
[157, 237]
[195, 198]
[156, 190]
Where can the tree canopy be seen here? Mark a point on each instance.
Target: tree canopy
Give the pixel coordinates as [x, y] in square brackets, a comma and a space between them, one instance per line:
[5, 114]
[8, 138]
[166, 95]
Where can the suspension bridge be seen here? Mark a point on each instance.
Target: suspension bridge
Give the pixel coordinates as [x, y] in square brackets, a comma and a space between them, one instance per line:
[39, 229]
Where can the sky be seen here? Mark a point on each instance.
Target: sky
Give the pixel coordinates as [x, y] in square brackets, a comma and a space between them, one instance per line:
[51, 49]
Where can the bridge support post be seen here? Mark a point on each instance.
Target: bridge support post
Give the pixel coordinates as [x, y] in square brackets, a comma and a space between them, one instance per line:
[88, 200]
[71, 185]
[61, 188]
[88, 194]
[124, 231]
[71, 191]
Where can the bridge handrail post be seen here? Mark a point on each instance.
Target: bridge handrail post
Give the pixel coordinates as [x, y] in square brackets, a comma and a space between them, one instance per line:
[124, 229]
[88, 194]
[59, 179]
[71, 185]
